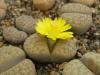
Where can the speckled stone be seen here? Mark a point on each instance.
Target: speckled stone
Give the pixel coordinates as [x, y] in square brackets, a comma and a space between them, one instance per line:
[64, 50]
[14, 36]
[26, 23]
[80, 22]
[75, 8]
[92, 61]
[76, 67]
[86, 2]
[25, 67]
[3, 8]
[10, 56]
[36, 48]
[44, 4]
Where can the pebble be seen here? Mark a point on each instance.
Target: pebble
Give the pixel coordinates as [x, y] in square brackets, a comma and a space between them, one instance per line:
[25, 67]
[26, 23]
[36, 48]
[92, 61]
[86, 2]
[54, 73]
[43, 4]
[76, 67]
[75, 8]
[3, 8]
[14, 36]
[10, 56]
[64, 50]
[80, 22]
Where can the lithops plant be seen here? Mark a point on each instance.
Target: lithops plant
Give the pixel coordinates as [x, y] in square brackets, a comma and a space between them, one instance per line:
[10, 56]
[39, 48]
[26, 23]
[78, 15]
[3, 8]
[92, 61]
[76, 67]
[86, 2]
[80, 22]
[14, 36]
[25, 67]
[36, 48]
[44, 4]
[75, 8]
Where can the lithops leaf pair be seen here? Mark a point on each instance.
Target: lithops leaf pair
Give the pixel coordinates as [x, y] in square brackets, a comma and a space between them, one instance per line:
[36, 47]
[88, 64]
[13, 62]
[13, 35]
[78, 15]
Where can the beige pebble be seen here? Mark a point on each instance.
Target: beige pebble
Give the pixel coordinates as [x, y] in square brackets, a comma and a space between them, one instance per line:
[44, 4]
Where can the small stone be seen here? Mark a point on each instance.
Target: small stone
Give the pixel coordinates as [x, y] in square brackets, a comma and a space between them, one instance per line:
[80, 22]
[36, 48]
[86, 2]
[75, 8]
[97, 34]
[44, 4]
[10, 56]
[26, 23]
[54, 73]
[76, 67]
[12, 35]
[25, 67]
[92, 61]
[64, 50]
[98, 50]
[3, 8]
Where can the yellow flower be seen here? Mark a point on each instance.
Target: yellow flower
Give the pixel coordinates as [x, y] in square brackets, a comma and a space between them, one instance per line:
[54, 29]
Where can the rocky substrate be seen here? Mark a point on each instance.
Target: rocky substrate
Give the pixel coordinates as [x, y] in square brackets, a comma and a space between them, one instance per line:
[24, 52]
